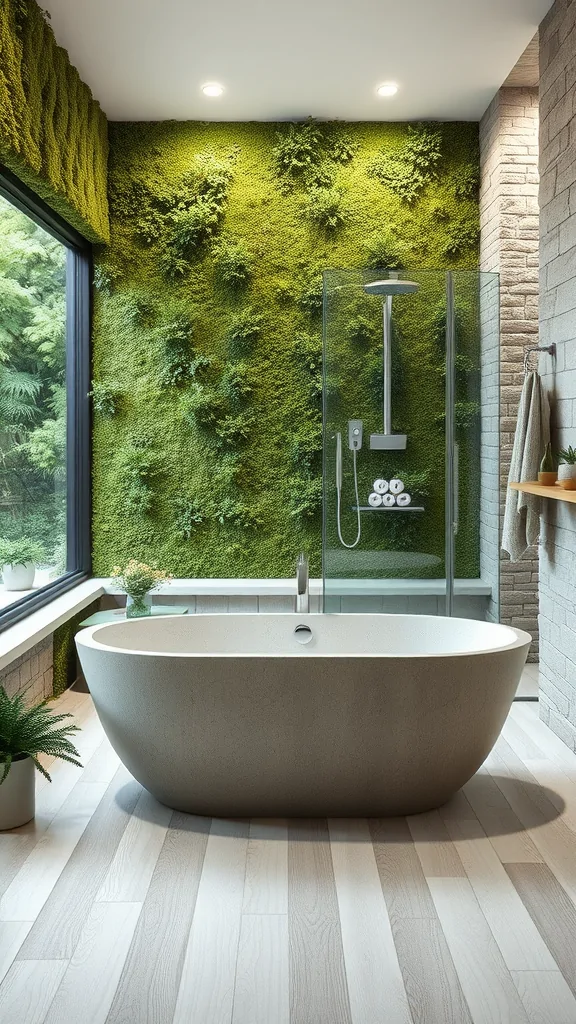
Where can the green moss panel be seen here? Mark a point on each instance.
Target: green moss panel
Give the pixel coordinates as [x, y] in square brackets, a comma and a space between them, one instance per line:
[53, 134]
[208, 331]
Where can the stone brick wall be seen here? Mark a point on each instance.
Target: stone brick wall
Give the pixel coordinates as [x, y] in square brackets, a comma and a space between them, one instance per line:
[31, 673]
[509, 245]
[558, 324]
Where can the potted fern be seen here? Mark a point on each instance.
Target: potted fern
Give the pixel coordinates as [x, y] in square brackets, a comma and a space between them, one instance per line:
[18, 559]
[567, 468]
[26, 732]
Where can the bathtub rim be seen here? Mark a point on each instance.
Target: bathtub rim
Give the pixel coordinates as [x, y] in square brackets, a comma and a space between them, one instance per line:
[88, 638]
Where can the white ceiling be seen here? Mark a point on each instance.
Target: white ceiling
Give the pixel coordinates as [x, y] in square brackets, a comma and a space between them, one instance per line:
[146, 59]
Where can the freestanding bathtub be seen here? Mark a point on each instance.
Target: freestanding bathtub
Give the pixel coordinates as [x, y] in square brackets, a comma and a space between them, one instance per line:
[374, 715]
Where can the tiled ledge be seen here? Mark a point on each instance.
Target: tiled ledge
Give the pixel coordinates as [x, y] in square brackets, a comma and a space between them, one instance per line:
[23, 635]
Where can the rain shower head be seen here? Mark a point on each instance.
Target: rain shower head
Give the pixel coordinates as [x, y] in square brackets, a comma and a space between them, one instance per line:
[391, 286]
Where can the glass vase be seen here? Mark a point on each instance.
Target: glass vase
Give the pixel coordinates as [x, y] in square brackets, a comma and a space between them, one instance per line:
[138, 605]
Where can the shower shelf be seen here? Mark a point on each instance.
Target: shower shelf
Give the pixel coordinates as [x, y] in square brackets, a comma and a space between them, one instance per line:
[388, 508]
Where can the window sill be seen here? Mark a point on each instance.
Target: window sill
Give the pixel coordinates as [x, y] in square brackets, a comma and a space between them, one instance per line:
[28, 631]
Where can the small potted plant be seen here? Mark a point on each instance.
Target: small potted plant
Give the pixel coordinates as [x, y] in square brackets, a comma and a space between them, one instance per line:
[26, 732]
[567, 468]
[18, 559]
[138, 580]
[548, 474]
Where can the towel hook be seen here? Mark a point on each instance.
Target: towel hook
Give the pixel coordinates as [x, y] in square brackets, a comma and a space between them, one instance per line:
[550, 349]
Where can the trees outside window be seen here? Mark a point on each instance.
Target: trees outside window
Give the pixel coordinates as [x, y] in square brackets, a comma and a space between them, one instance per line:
[35, 352]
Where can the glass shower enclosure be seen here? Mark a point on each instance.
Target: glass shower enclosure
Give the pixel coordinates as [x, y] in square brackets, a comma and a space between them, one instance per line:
[411, 442]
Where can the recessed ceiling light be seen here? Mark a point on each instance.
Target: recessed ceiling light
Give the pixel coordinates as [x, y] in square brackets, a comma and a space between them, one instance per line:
[212, 89]
[387, 89]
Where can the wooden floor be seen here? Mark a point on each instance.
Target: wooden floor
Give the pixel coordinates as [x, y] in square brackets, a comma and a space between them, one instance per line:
[115, 909]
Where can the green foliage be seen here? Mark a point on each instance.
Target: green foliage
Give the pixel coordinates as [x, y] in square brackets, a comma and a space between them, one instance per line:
[408, 172]
[312, 296]
[188, 517]
[180, 364]
[385, 251]
[204, 407]
[323, 206]
[53, 134]
[139, 467]
[241, 442]
[235, 383]
[232, 511]
[468, 183]
[234, 263]
[32, 377]
[245, 328]
[105, 398]
[308, 352]
[308, 153]
[305, 447]
[360, 329]
[461, 237]
[305, 496]
[234, 430]
[28, 732]
[567, 455]
[298, 152]
[20, 552]
[180, 219]
[105, 278]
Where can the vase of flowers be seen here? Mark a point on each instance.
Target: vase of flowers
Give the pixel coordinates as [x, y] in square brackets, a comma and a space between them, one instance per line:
[138, 580]
[26, 732]
[18, 559]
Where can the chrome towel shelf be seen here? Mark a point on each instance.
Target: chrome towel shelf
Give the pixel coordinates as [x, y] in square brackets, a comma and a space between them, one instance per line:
[388, 508]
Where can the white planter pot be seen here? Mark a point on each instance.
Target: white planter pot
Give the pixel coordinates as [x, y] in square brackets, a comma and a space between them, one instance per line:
[18, 577]
[17, 802]
[567, 476]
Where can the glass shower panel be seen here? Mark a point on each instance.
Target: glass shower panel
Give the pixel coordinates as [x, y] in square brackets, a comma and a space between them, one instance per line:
[476, 444]
[389, 554]
[411, 394]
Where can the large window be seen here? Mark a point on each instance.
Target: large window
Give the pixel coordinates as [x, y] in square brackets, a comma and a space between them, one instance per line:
[44, 448]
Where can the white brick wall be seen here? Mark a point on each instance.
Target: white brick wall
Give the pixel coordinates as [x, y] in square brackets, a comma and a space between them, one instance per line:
[31, 673]
[558, 324]
[509, 245]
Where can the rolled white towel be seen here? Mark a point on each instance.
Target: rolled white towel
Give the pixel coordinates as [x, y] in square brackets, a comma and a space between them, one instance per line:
[380, 486]
[404, 499]
[375, 500]
[388, 500]
[396, 486]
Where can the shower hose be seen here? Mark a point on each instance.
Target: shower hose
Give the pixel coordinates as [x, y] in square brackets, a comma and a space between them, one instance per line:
[342, 541]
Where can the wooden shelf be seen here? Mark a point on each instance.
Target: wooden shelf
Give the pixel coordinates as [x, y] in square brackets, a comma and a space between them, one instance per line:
[554, 491]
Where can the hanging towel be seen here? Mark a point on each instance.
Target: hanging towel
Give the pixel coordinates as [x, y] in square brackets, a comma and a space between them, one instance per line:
[522, 512]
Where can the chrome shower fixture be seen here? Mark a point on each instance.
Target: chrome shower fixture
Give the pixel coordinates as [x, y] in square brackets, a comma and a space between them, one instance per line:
[387, 288]
[354, 444]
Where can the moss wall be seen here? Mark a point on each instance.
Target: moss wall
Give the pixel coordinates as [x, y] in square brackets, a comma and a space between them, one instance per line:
[208, 324]
[53, 134]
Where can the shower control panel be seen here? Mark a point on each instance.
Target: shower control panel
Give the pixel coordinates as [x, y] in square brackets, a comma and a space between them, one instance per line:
[355, 435]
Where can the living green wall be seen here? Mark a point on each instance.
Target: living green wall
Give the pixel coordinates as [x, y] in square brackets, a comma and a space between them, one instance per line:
[208, 326]
[53, 134]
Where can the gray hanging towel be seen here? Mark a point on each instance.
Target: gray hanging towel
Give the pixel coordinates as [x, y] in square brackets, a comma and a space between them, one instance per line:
[522, 513]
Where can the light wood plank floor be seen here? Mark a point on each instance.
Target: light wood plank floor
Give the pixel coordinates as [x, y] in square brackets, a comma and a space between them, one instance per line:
[115, 910]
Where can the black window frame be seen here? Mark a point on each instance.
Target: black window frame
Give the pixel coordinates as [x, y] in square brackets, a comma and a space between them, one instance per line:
[78, 433]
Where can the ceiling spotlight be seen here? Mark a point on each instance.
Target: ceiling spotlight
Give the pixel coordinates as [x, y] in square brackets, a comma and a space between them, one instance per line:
[212, 89]
[387, 89]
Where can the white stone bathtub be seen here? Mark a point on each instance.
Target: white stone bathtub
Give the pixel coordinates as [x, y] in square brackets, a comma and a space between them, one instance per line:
[230, 715]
